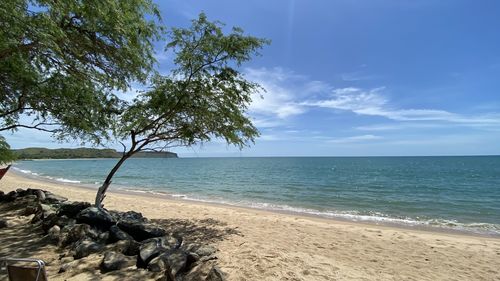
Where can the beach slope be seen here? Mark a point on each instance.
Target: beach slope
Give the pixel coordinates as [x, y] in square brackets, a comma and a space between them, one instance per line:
[260, 245]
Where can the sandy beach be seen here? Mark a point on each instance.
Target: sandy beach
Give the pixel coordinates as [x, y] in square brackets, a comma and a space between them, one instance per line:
[261, 245]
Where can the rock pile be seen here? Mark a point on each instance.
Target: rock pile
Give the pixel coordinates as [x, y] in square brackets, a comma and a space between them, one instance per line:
[124, 239]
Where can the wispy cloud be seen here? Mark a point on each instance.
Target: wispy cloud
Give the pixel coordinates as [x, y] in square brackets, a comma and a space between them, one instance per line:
[355, 139]
[283, 91]
[373, 103]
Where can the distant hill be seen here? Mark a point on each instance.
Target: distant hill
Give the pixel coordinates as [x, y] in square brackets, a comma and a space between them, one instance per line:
[75, 153]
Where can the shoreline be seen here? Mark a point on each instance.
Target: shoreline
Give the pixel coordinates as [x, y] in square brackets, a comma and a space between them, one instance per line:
[264, 245]
[165, 196]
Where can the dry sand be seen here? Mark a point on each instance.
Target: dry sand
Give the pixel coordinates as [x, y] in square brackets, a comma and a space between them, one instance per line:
[260, 245]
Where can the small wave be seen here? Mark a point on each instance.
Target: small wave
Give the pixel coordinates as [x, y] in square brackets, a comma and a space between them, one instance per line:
[66, 180]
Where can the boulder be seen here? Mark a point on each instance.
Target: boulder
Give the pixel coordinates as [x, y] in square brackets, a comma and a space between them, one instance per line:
[30, 209]
[126, 247]
[197, 250]
[206, 271]
[78, 232]
[153, 247]
[87, 247]
[96, 217]
[21, 192]
[141, 230]
[205, 250]
[49, 221]
[64, 221]
[54, 233]
[10, 196]
[71, 209]
[52, 198]
[3, 223]
[116, 234]
[115, 261]
[46, 210]
[40, 194]
[173, 262]
[103, 236]
[128, 216]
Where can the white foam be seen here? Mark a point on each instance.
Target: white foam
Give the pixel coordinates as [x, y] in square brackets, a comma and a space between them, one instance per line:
[67, 180]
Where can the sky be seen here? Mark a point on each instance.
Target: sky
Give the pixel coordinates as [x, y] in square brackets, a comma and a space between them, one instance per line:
[357, 78]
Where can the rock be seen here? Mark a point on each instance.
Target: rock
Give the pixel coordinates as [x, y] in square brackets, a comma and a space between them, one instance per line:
[115, 261]
[54, 233]
[46, 210]
[126, 247]
[200, 250]
[140, 230]
[216, 274]
[3, 223]
[173, 262]
[154, 247]
[21, 192]
[26, 199]
[10, 196]
[78, 232]
[30, 209]
[64, 221]
[96, 217]
[103, 237]
[116, 234]
[137, 226]
[205, 272]
[40, 194]
[71, 209]
[205, 250]
[87, 247]
[52, 198]
[49, 221]
[128, 216]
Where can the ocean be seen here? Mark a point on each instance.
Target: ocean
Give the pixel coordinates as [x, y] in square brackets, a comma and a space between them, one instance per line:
[449, 193]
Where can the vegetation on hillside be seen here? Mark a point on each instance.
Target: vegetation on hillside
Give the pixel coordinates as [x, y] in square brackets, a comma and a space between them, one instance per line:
[68, 153]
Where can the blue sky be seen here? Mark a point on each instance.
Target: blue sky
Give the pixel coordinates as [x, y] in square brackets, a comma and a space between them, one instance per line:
[355, 78]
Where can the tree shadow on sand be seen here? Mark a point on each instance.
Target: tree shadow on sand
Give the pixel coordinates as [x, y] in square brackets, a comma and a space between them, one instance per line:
[23, 239]
[206, 231]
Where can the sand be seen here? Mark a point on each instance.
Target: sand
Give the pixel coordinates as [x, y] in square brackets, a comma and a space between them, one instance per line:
[261, 245]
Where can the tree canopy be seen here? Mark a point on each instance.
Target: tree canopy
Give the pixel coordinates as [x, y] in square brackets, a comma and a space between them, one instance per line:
[60, 62]
[6, 155]
[204, 97]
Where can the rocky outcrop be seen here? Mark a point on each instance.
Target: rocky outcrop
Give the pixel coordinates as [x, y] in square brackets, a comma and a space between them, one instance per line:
[120, 240]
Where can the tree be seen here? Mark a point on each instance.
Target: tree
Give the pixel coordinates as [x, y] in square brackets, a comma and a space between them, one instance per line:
[6, 155]
[61, 61]
[204, 97]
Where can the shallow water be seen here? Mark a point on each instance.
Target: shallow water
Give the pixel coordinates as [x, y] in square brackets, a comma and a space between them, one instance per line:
[460, 193]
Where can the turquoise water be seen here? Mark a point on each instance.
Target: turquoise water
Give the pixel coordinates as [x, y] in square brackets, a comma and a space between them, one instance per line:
[449, 192]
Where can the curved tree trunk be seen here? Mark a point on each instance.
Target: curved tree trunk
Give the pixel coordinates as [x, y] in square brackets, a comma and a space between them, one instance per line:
[101, 193]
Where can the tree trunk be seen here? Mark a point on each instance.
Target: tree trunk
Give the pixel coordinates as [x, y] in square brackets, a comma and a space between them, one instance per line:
[101, 193]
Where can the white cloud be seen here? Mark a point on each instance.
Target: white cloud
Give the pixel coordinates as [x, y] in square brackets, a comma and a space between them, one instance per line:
[289, 94]
[278, 100]
[374, 103]
[355, 139]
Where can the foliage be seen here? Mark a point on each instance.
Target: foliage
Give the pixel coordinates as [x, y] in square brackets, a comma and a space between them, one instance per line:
[204, 97]
[75, 153]
[6, 155]
[61, 60]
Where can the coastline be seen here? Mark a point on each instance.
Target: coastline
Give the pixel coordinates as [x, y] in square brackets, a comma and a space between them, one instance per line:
[282, 246]
[381, 222]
